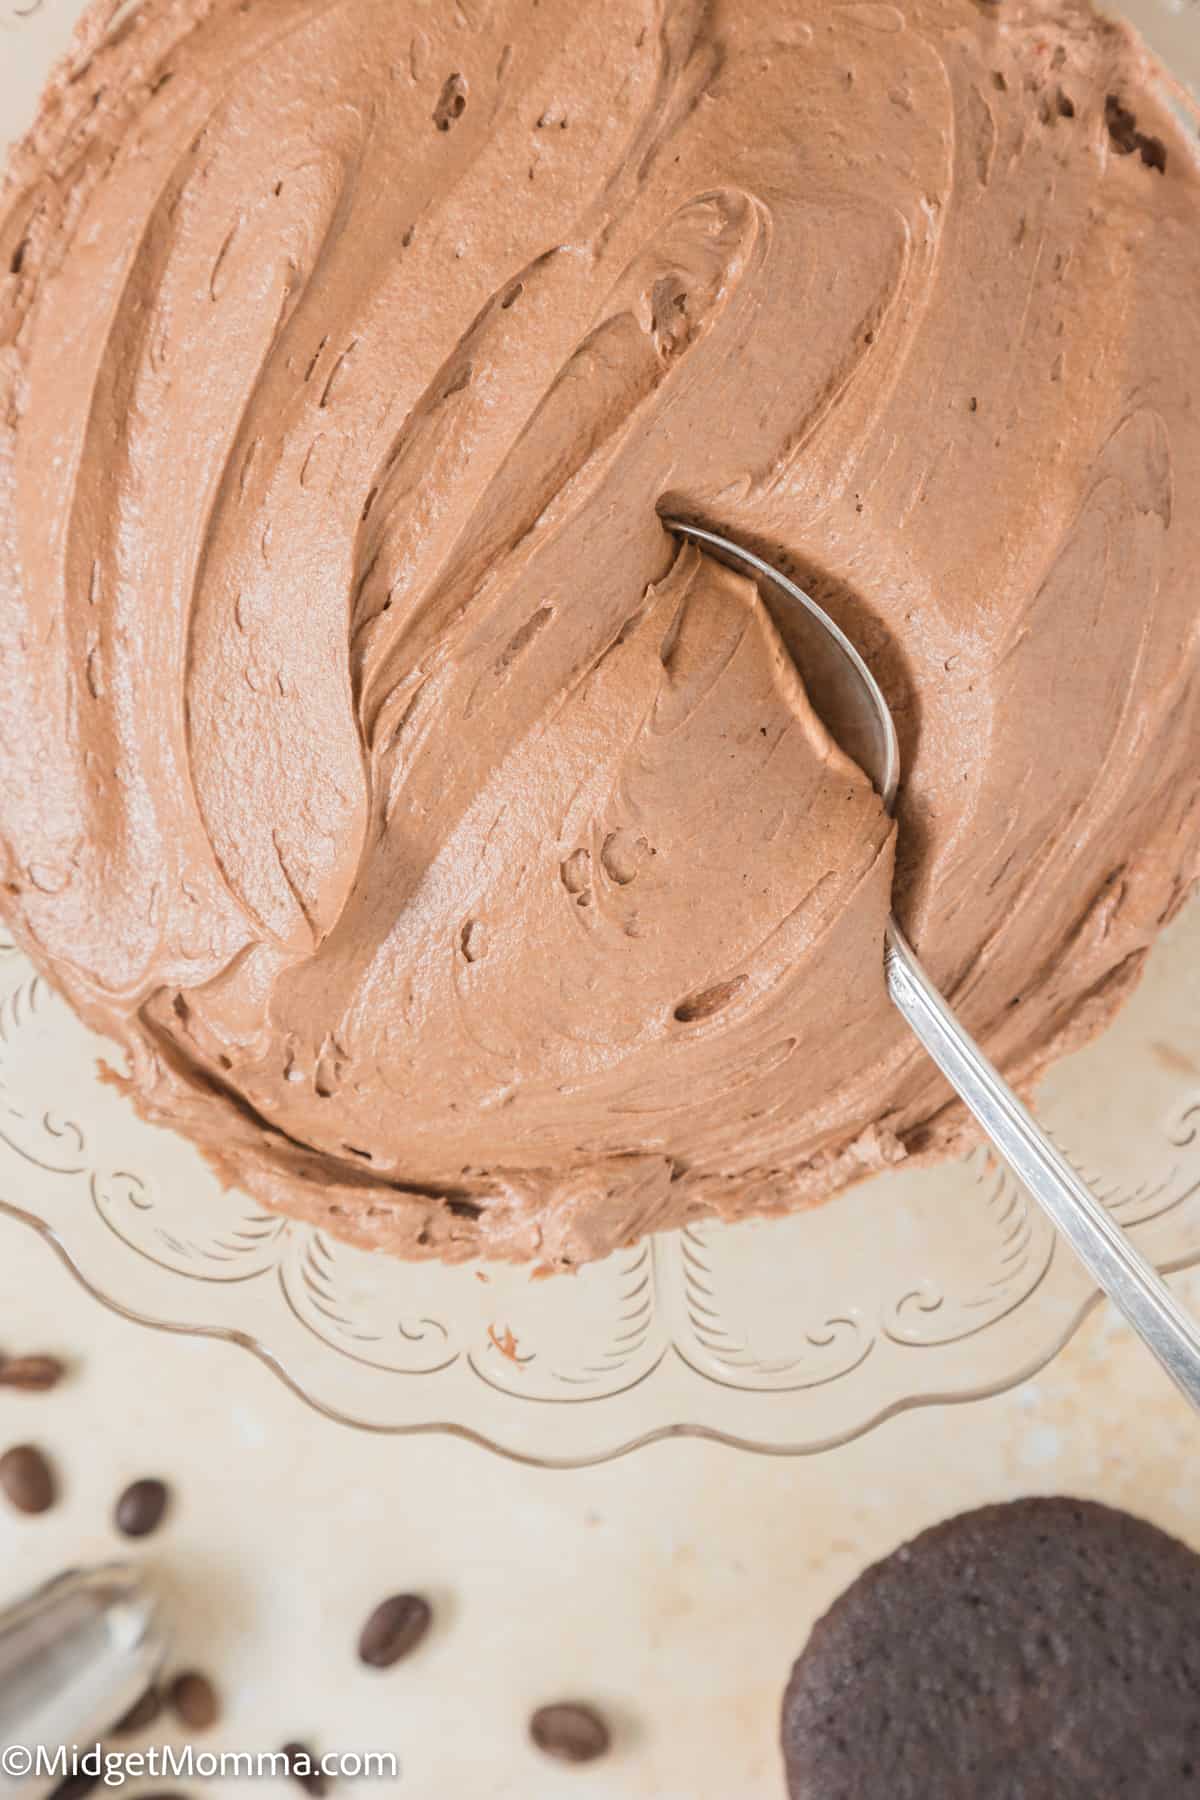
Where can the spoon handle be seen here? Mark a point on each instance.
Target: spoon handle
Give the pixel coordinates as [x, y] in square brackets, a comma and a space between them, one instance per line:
[1135, 1288]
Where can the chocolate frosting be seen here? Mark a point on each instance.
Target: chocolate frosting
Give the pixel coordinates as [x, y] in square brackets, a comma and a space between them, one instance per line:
[457, 858]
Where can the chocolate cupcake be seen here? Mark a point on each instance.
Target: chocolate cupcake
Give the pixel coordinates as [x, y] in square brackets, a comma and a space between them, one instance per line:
[1046, 1648]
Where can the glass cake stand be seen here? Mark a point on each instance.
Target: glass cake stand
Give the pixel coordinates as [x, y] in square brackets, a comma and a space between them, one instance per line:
[917, 1288]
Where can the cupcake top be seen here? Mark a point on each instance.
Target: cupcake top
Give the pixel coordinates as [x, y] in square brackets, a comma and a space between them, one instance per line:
[1049, 1647]
[457, 857]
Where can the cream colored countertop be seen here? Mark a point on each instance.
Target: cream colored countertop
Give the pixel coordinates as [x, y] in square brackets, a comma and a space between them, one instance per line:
[673, 1588]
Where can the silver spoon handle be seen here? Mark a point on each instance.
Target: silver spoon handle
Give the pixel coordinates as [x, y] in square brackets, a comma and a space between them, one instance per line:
[1135, 1288]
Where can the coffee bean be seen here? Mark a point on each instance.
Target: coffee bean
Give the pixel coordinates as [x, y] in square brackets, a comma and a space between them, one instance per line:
[74, 1787]
[304, 1766]
[140, 1509]
[35, 1374]
[394, 1629]
[27, 1479]
[142, 1713]
[194, 1698]
[572, 1733]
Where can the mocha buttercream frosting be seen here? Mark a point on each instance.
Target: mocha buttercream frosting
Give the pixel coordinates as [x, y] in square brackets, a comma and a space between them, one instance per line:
[456, 857]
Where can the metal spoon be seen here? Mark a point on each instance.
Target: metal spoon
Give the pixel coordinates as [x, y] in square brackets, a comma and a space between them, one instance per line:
[857, 715]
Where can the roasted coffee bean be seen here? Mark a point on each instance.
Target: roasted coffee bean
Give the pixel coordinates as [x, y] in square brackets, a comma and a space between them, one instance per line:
[75, 1786]
[193, 1698]
[36, 1374]
[26, 1477]
[570, 1732]
[304, 1766]
[393, 1630]
[140, 1509]
[142, 1713]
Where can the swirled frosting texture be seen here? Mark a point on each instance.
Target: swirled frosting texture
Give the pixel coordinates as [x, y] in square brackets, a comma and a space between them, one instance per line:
[456, 857]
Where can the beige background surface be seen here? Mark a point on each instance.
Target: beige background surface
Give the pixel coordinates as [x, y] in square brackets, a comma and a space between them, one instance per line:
[672, 1588]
